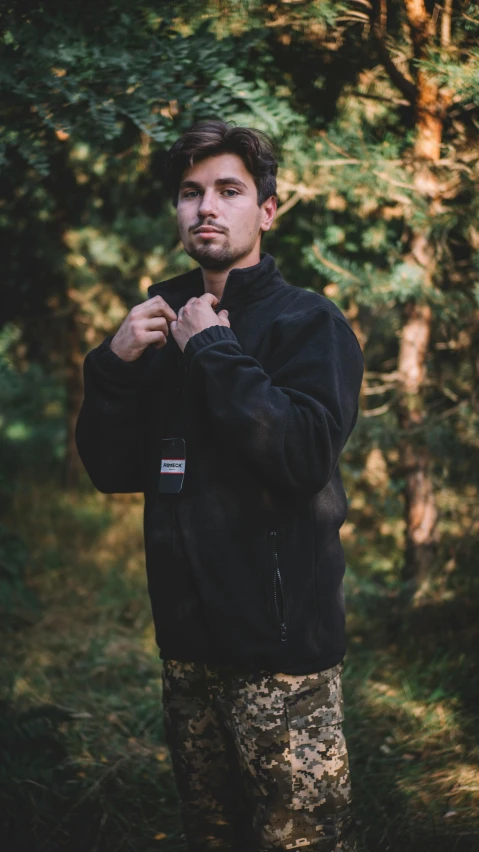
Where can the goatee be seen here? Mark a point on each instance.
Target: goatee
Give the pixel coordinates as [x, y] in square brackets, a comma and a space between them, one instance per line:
[215, 259]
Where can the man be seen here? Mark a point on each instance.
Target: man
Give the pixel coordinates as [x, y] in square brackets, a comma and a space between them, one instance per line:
[227, 399]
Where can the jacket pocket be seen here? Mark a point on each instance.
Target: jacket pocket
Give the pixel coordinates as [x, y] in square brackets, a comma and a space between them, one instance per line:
[279, 598]
[320, 703]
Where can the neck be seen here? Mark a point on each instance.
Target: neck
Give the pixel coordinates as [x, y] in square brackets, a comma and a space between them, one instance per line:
[215, 279]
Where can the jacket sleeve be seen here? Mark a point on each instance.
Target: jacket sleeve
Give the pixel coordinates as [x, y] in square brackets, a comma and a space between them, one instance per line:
[111, 428]
[290, 425]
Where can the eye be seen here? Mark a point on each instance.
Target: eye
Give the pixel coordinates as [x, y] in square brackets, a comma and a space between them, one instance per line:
[230, 193]
[190, 193]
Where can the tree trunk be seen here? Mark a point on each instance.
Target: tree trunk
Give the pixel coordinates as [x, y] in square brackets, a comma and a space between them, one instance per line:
[74, 397]
[420, 506]
[419, 497]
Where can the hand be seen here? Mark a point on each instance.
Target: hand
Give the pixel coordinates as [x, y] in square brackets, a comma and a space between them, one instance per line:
[195, 316]
[145, 324]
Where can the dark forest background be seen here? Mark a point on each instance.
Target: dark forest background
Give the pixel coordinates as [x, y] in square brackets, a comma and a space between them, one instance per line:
[374, 109]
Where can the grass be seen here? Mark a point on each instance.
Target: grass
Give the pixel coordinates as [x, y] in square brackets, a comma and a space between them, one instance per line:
[84, 767]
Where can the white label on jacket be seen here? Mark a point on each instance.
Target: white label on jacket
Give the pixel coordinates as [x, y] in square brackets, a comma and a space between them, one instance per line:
[173, 466]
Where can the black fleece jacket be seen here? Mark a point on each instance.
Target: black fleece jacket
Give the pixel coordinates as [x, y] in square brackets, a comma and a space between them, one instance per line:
[245, 563]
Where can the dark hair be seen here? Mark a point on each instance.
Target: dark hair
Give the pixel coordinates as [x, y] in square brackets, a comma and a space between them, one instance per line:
[210, 138]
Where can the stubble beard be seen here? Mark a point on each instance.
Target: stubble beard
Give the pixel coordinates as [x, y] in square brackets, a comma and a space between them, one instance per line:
[217, 258]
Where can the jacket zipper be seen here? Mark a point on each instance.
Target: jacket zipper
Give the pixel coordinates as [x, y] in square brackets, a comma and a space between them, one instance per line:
[173, 525]
[278, 590]
[220, 303]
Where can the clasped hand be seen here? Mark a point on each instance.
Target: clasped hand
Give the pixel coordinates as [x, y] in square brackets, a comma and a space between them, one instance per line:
[195, 316]
[149, 324]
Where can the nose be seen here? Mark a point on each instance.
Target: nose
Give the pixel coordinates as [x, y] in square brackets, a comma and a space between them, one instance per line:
[208, 204]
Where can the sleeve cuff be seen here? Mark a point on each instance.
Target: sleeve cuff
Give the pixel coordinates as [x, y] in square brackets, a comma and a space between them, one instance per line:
[112, 367]
[204, 339]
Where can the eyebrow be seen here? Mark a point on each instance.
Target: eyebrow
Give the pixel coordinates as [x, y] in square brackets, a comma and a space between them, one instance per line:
[227, 181]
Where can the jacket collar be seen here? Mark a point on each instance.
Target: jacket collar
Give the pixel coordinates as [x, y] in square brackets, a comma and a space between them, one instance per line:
[242, 285]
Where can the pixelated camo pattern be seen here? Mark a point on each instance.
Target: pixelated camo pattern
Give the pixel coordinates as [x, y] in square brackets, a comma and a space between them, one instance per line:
[260, 762]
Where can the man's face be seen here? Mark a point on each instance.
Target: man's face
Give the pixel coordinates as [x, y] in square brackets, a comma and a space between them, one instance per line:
[218, 215]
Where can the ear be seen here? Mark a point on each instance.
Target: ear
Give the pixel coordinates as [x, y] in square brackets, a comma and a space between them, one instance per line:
[268, 212]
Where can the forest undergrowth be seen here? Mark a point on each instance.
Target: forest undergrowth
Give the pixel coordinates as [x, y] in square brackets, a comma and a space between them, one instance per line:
[84, 767]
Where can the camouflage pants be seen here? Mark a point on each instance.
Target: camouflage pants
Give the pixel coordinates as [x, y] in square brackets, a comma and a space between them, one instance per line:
[260, 762]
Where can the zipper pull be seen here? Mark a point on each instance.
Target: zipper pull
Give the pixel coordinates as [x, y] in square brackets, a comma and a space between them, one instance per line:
[283, 632]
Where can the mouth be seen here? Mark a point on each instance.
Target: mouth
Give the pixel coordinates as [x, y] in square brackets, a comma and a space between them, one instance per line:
[206, 231]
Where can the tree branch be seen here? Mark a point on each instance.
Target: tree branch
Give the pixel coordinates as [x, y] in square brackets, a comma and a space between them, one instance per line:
[379, 31]
[394, 101]
[446, 24]
[376, 412]
[333, 266]
[288, 205]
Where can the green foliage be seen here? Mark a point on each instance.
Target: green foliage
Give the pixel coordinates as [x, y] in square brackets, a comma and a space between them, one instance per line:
[462, 79]
[32, 431]
[29, 745]
[18, 604]
[94, 75]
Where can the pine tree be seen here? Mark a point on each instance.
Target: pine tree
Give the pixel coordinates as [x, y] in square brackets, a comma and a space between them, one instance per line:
[396, 170]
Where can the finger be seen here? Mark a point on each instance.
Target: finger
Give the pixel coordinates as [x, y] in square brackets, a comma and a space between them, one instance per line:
[224, 313]
[212, 300]
[155, 338]
[157, 324]
[157, 307]
[160, 344]
[173, 326]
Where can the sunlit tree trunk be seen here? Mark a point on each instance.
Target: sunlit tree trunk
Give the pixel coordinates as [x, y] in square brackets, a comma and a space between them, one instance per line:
[429, 103]
[420, 502]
